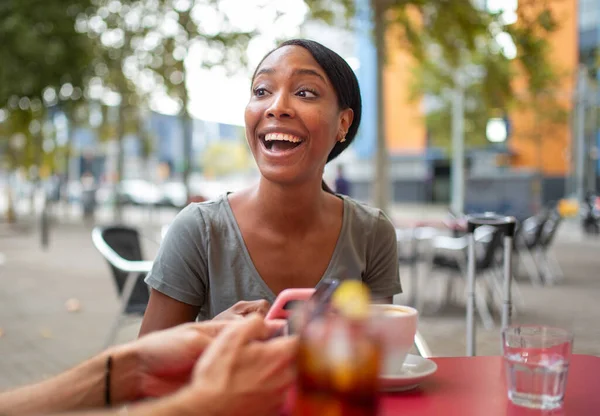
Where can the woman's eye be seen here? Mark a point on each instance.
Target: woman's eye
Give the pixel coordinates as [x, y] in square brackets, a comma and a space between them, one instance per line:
[307, 93]
[260, 92]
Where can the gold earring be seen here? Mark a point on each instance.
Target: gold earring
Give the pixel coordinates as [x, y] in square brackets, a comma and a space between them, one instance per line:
[343, 139]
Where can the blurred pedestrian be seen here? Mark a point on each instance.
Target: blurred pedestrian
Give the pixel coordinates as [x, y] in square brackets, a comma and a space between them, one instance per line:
[88, 195]
[342, 185]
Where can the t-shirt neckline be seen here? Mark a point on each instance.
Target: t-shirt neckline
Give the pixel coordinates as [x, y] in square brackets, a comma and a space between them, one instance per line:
[255, 274]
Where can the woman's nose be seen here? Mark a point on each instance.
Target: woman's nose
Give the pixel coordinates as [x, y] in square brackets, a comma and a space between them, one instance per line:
[280, 107]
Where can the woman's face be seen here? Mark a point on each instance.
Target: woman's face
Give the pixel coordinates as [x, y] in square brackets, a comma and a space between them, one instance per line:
[293, 119]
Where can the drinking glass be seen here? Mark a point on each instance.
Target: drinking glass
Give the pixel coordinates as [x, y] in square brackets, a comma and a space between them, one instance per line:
[338, 367]
[537, 362]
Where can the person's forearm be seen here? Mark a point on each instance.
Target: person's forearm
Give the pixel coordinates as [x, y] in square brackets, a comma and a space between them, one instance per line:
[186, 402]
[82, 387]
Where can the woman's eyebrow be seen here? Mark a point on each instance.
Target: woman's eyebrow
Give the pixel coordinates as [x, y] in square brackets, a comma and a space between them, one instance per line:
[299, 71]
[308, 71]
[265, 71]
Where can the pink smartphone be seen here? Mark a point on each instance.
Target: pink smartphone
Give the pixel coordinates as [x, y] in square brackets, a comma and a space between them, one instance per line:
[281, 307]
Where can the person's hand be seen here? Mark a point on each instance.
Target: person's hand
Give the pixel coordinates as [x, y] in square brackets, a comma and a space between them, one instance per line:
[162, 362]
[244, 308]
[241, 372]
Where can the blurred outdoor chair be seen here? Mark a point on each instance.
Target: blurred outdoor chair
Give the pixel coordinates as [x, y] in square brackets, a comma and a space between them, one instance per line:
[410, 251]
[450, 254]
[549, 267]
[121, 248]
[527, 240]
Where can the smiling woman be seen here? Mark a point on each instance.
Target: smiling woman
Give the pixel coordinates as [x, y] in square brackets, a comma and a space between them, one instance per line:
[231, 256]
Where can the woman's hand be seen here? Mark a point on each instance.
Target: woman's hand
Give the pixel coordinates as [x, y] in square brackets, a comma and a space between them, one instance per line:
[241, 372]
[244, 308]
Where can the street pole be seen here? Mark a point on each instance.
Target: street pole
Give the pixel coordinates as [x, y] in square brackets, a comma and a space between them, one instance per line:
[592, 140]
[596, 101]
[580, 136]
[381, 179]
[457, 172]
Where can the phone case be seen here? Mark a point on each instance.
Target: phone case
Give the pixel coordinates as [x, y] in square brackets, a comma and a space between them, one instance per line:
[277, 310]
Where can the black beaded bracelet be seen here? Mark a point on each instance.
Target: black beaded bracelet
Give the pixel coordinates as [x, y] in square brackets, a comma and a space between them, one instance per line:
[107, 401]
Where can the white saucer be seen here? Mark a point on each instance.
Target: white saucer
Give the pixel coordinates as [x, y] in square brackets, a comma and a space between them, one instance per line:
[414, 370]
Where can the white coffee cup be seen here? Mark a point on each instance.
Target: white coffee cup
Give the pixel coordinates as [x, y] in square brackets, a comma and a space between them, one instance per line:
[396, 326]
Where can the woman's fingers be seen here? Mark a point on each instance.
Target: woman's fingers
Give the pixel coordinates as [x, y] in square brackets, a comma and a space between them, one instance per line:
[259, 306]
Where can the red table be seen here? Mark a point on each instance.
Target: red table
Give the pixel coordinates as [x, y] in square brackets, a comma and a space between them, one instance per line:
[476, 386]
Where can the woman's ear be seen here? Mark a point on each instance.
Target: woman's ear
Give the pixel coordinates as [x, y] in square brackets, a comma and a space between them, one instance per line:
[346, 117]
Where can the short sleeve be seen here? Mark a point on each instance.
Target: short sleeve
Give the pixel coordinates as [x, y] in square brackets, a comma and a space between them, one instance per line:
[180, 268]
[382, 273]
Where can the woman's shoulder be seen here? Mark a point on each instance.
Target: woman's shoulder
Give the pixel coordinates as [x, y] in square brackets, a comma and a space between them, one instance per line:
[366, 215]
[206, 212]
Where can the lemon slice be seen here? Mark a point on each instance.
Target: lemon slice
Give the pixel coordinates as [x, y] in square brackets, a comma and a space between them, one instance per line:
[352, 299]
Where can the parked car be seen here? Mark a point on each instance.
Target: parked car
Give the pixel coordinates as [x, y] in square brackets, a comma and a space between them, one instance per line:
[139, 192]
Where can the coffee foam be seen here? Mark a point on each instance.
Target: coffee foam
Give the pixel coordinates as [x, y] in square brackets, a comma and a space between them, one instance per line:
[392, 310]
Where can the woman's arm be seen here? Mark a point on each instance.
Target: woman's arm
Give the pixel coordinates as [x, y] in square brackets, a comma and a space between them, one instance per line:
[165, 312]
[179, 275]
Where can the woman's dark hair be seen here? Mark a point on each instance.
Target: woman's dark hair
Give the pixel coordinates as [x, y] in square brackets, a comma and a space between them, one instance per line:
[341, 77]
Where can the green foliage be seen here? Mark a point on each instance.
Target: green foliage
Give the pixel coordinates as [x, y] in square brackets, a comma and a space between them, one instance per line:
[226, 48]
[21, 139]
[444, 36]
[329, 11]
[40, 48]
[226, 157]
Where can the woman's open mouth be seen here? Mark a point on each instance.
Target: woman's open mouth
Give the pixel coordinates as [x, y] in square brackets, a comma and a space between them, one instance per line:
[280, 142]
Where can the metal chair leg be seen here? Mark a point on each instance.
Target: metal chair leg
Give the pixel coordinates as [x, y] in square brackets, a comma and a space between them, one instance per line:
[482, 310]
[112, 333]
[530, 266]
[554, 266]
[549, 267]
[127, 292]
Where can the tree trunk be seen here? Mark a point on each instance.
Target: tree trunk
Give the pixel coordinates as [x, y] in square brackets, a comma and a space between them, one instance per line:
[457, 172]
[188, 131]
[381, 180]
[67, 166]
[11, 216]
[539, 175]
[118, 206]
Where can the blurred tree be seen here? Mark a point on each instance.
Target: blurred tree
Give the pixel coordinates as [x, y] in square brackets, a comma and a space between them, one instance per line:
[226, 157]
[181, 26]
[144, 46]
[41, 53]
[444, 37]
[40, 47]
[115, 26]
[21, 144]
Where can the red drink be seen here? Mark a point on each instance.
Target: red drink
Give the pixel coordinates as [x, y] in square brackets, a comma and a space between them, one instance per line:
[338, 368]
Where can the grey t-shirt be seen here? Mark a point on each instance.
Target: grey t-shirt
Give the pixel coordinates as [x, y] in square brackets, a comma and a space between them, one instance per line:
[203, 260]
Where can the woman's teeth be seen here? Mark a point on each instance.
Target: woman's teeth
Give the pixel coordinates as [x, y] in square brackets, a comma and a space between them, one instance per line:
[282, 137]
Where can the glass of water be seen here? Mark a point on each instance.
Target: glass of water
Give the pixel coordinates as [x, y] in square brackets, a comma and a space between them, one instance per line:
[537, 362]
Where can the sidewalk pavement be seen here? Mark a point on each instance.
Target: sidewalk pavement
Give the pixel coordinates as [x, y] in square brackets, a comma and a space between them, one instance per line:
[39, 337]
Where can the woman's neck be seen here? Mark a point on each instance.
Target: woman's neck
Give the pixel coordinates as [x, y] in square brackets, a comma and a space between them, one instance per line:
[290, 208]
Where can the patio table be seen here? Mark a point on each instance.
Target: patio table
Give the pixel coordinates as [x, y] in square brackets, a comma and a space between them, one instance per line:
[476, 386]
